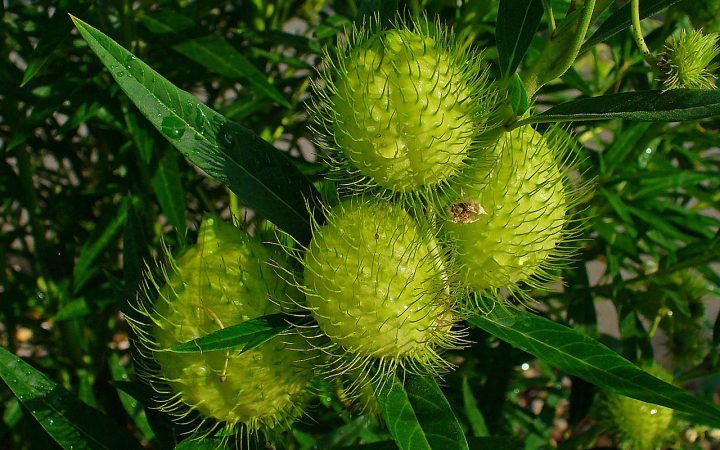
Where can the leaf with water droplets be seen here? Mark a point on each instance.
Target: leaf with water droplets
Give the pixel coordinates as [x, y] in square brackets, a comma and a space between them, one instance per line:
[230, 153]
[72, 423]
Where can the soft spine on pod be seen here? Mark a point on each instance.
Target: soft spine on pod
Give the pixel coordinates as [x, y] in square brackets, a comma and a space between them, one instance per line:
[634, 424]
[401, 109]
[376, 284]
[507, 222]
[225, 279]
[688, 60]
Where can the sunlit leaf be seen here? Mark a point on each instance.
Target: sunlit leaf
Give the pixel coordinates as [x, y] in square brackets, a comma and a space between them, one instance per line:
[582, 356]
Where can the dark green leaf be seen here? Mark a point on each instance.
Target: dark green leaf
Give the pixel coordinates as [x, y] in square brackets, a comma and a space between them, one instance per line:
[97, 243]
[517, 23]
[650, 106]
[433, 412]
[385, 10]
[141, 134]
[576, 81]
[134, 250]
[261, 176]
[170, 193]
[167, 22]
[621, 19]
[495, 443]
[399, 416]
[473, 413]
[582, 356]
[55, 31]
[625, 142]
[216, 54]
[202, 444]
[72, 310]
[72, 423]
[248, 334]
[132, 406]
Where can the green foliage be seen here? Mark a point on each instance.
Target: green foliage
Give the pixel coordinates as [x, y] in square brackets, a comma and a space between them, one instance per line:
[93, 112]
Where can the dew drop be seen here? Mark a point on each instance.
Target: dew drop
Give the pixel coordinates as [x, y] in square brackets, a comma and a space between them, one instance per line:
[227, 138]
[173, 127]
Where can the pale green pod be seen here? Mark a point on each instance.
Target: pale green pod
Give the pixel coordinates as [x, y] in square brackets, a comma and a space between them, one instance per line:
[376, 285]
[225, 279]
[402, 109]
[508, 220]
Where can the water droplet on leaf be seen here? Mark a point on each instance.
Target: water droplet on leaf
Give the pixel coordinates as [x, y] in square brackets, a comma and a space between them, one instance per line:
[173, 127]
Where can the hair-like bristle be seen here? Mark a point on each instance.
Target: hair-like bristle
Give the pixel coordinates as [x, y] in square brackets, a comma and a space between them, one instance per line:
[399, 112]
[512, 224]
[223, 280]
[688, 60]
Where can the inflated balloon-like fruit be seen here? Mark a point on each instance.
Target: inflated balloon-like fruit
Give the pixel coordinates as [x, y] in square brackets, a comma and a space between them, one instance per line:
[376, 284]
[506, 221]
[401, 108]
[225, 279]
[634, 424]
[688, 60]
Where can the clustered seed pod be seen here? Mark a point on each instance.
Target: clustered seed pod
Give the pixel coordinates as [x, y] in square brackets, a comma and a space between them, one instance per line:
[405, 112]
[634, 424]
[506, 221]
[402, 109]
[688, 60]
[376, 285]
[225, 279]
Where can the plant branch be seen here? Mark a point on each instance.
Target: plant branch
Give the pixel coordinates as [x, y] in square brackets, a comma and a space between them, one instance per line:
[638, 34]
[550, 16]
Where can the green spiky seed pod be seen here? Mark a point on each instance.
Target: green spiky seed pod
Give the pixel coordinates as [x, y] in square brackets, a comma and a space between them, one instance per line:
[376, 285]
[401, 109]
[688, 60]
[506, 221]
[225, 279]
[634, 424]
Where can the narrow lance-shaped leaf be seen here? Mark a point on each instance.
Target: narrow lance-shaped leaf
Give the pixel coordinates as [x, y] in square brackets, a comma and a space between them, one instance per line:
[402, 423]
[72, 423]
[260, 175]
[584, 357]
[418, 415]
[248, 334]
[517, 23]
[434, 413]
[651, 106]
[622, 19]
[170, 193]
[216, 54]
[96, 244]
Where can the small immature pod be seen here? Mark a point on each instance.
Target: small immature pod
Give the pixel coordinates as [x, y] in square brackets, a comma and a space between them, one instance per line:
[225, 279]
[688, 60]
[376, 285]
[506, 221]
[634, 424]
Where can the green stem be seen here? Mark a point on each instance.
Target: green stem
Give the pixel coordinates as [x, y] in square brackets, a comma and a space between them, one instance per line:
[560, 52]
[550, 16]
[637, 32]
